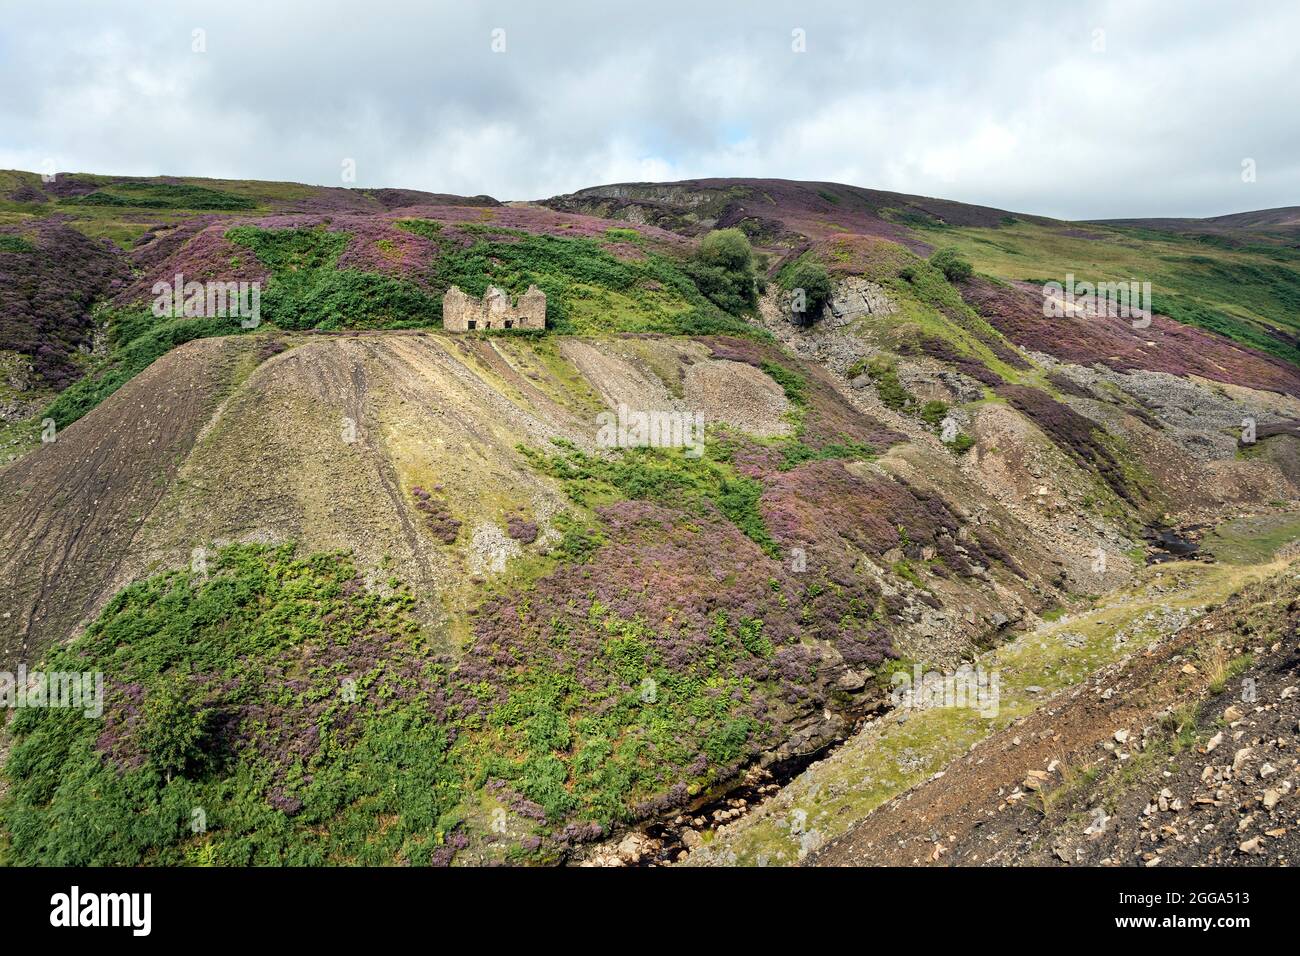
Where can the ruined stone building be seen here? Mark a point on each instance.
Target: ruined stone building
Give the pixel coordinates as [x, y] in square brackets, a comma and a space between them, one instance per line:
[464, 313]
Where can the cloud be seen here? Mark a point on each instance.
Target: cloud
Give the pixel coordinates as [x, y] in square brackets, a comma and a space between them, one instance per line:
[1104, 109]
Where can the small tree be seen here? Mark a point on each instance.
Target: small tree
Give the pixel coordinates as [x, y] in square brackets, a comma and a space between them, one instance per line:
[175, 728]
[952, 265]
[723, 269]
[810, 276]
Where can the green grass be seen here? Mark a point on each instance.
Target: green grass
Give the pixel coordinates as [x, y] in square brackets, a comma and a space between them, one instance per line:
[159, 195]
[428, 228]
[1253, 539]
[961, 444]
[12, 243]
[667, 476]
[884, 375]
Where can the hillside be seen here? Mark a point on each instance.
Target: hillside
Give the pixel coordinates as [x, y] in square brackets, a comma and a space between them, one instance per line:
[368, 591]
[1281, 220]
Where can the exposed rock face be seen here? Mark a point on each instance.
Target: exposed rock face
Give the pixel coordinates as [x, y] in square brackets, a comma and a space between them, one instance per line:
[856, 297]
[853, 298]
[463, 313]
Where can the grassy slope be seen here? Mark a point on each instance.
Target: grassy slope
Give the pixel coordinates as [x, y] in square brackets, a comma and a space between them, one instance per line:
[1243, 293]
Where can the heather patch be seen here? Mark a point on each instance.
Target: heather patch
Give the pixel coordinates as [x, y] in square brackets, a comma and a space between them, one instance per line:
[1163, 346]
[1079, 437]
[49, 280]
[653, 670]
[823, 501]
[308, 719]
[385, 247]
[198, 251]
[944, 351]
[437, 515]
[772, 212]
[465, 225]
[522, 530]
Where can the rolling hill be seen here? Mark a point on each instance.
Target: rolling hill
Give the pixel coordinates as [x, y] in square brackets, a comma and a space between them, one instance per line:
[363, 590]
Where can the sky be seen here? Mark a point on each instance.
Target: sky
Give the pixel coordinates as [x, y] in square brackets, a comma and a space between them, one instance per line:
[1077, 110]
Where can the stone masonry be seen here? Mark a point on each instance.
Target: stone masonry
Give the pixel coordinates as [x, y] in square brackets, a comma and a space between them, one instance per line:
[464, 313]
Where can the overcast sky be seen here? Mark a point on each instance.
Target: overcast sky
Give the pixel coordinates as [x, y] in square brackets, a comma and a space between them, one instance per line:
[1084, 110]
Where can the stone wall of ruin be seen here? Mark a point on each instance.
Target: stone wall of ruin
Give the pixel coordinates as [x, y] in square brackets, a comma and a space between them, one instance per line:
[463, 313]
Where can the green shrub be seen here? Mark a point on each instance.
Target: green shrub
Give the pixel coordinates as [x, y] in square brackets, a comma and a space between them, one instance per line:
[291, 250]
[961, 444]
[891, 391]
[952, 265]
[812, 277]
[933, 412]
[723, 270]
[348, 299]
[792, 383]
[175, 729]
[11, 243]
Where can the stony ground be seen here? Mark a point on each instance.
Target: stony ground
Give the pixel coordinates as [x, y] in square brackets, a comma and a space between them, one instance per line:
[1184, 753]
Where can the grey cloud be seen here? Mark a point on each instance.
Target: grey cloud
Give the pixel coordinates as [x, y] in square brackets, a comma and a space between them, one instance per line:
[1007, 104]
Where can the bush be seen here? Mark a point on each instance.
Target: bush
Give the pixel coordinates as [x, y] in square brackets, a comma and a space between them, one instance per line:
[888, 386]
[961, 444]
[815, 281]
[175, 728]
[932, 412]
[952, 265]
[723, 269]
